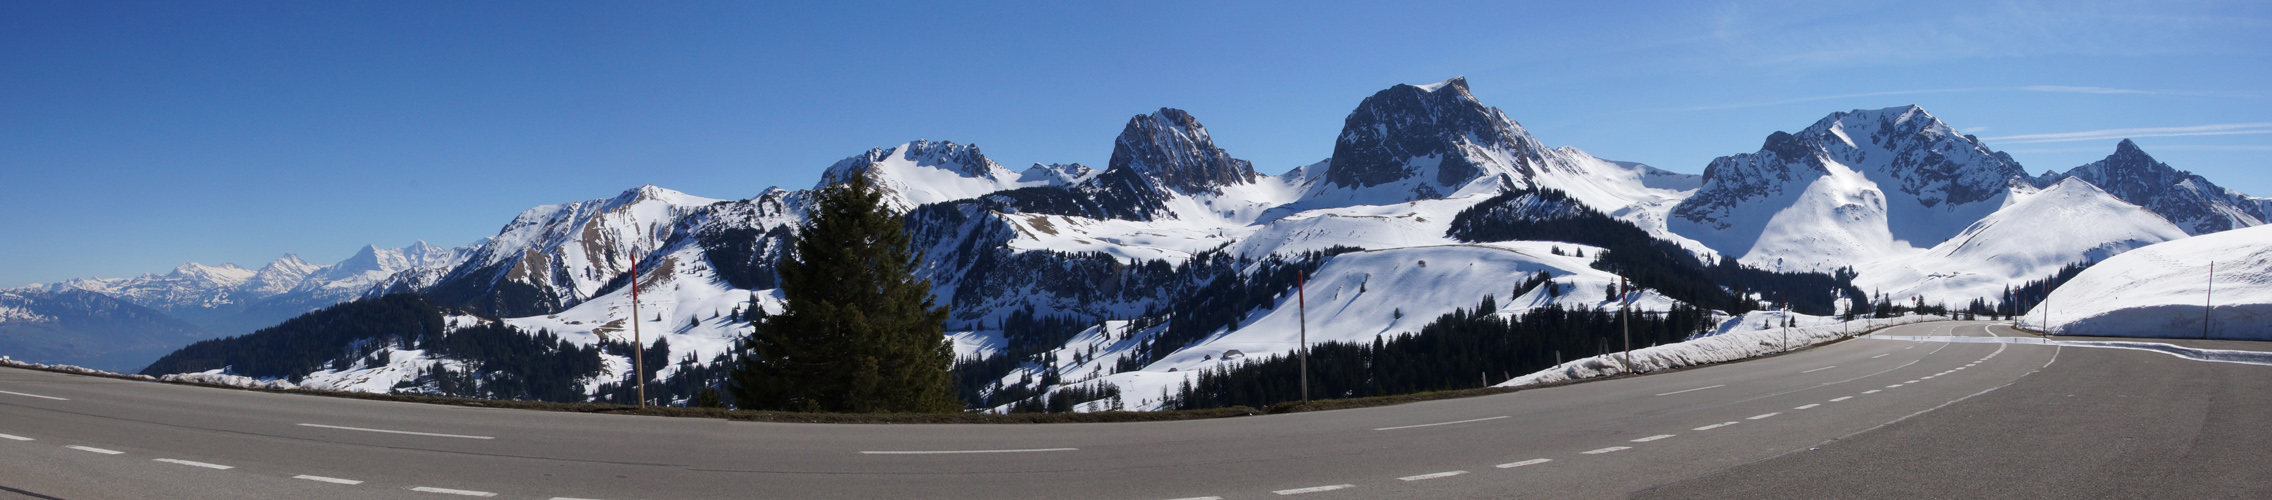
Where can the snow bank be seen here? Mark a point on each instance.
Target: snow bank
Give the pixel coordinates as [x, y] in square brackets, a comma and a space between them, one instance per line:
[215, 377]
[2160, 290]
[5, 361]
[1738, 338]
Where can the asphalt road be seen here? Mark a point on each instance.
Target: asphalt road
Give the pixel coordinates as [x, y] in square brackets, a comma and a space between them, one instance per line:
[1865, 418]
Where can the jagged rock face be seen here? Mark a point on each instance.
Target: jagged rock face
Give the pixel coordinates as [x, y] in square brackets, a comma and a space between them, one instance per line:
[2190, 201]
[962, 159]
[1397, 133]
[1171, 147]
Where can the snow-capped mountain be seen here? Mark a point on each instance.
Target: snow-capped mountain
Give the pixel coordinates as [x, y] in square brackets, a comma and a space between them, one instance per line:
[924, 172]
[2033, 236]
[1857, 186]
[2190, 201]
[555, 256]
[2161, 291]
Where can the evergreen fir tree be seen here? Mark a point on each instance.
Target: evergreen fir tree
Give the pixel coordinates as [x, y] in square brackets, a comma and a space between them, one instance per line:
[858, 332]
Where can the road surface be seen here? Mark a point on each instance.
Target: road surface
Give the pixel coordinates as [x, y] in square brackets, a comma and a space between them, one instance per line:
[1867, 418]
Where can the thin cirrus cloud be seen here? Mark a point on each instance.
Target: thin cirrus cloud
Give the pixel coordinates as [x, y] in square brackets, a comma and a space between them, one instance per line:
[2058, 89]
[2133, 133]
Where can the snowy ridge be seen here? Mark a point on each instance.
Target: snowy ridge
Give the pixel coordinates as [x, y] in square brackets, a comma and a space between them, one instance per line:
[2071, 222]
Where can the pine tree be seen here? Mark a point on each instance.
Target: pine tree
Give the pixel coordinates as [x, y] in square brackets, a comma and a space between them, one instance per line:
[858, 332]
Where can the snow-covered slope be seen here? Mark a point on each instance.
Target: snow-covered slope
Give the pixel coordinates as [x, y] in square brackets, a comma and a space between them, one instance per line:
[2071, 222]
[1820, 199]
[2161, 291]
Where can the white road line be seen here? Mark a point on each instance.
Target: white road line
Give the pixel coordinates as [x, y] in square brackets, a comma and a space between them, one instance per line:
[12, 437]
[1313, 489]
[460, 436]
[1757, 417]
[1607, 450]
[1910, 382]
[1714, 426]
[34, 395]
[1893, 386]
[1200, 498]
[93, 449]
[1191, 498]
[1652, 438]
[1880, 356]
[1692, 390]
[1873, 391]
[332, 480]
[192, 464]
[1432, 476]
[1810, 405]
[1819, 369]
[1534, 461]
[1439, 423]
[1840, 398]
[447, 491]
[963, 452]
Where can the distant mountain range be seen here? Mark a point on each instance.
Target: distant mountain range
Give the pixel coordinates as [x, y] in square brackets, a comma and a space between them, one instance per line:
[1164, 261]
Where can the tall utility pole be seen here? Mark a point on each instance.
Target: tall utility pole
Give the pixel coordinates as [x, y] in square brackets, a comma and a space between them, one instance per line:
[1302, 313]
[2209, 300]
[1625, 317]
[1786, 300]
[638, 350]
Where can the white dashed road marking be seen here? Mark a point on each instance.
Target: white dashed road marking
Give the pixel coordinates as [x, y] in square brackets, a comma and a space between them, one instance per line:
[1811, 405]
[1314, 489]
[963, 452]
[1714, 426]
[1534, 461]
[447, 491]
[1880, 356]
[192, 464]
[1609, 449]
[94, 450]
[332, 480]
[1432, 476]
[1692, 390]
[1192, 498]
[12, 437]
[34, 395]
[460, 436]
[1873, 391]
[1439, 423]
[1820, 369]
[1840, 398]
[1652, 438]
[1757, 417]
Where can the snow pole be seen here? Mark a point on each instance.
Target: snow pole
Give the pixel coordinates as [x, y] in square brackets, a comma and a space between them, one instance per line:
[638, 351]
[2209, 300]
[1302, 312]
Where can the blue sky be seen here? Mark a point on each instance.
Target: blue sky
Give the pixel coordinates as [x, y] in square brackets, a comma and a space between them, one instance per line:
[135, 137]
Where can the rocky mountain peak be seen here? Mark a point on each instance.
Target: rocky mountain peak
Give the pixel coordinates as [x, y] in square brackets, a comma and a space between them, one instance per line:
[2190, 201]
[1172, 147]
[1436, 133]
